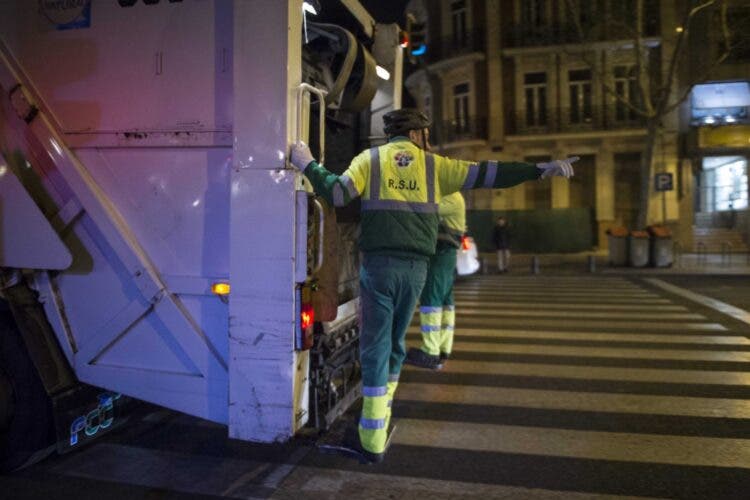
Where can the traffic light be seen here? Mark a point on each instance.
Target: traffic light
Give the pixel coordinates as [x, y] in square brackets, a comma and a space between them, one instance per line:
[418, 39]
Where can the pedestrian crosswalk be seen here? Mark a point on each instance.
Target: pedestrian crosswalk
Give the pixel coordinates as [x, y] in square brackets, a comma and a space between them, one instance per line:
[558, 387]
[566, 386]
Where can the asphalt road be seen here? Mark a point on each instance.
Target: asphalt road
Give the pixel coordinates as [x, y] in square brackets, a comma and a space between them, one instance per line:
[558, 387]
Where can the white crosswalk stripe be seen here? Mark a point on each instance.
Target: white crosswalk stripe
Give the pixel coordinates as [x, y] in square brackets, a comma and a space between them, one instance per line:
[515, 352]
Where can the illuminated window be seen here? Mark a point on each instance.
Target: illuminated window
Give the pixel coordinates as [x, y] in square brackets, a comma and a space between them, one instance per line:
[458, 16]
[719, 103]
[461, 96]
[535, 96]
[579, 85]
[626, 87]
[724, 183]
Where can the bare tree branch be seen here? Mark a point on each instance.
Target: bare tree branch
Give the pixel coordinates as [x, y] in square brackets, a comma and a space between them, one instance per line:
[601, 76]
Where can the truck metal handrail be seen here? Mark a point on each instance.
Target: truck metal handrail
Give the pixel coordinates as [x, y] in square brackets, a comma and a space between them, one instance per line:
[306, 88]
[321, 234]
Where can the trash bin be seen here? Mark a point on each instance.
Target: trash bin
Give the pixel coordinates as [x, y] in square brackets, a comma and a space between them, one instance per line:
[662, 254]
[618, 246]
[638, 248]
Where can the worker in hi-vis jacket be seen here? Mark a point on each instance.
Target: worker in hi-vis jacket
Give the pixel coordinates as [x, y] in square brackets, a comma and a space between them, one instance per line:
[437, 314]
[400, 184]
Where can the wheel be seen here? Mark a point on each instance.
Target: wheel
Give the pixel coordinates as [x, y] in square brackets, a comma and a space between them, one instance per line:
[26, 430]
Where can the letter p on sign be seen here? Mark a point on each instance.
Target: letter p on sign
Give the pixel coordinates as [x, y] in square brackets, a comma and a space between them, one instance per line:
[663, 182]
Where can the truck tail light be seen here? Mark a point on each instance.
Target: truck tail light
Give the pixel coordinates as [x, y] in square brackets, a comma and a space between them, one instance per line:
[306, 324]
[307, 316]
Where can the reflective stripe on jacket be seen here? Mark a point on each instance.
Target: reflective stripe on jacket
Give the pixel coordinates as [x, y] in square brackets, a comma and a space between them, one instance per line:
[401, 186]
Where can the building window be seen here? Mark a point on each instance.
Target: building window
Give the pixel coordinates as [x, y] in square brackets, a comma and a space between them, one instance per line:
[458, 16]
[626, 87]
[534, 13]
[535, 96]
[579, 82]
[724, 186]
[461, 96]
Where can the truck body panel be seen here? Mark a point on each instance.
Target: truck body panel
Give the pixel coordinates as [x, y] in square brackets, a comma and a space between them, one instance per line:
[157, 136]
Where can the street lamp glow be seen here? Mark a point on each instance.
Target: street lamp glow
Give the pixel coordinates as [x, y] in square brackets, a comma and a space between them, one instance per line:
[382, 72]
[679, 29]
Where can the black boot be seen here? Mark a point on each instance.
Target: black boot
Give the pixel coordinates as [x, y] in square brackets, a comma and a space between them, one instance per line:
[418, 357]
[352, 441]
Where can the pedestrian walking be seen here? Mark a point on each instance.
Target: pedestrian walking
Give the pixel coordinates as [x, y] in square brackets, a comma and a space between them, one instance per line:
[437, 312]
[401, 185]
[501, 238]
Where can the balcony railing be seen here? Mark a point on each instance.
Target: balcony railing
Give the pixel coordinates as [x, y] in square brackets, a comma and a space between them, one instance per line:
[557, 120]
[473, 128]
[454, 46]
[560, 34]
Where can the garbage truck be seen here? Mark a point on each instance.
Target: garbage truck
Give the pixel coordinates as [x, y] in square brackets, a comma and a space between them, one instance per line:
[155, 243]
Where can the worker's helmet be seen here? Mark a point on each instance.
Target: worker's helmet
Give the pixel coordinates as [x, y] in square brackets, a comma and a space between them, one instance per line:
[401, 121]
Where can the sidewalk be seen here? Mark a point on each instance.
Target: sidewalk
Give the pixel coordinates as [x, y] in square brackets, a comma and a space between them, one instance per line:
[578, 263]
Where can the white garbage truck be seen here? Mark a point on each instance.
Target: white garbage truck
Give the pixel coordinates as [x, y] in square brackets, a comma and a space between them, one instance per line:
[155, 244]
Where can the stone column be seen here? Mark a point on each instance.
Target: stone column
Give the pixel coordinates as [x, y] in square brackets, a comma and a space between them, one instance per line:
[605, 193]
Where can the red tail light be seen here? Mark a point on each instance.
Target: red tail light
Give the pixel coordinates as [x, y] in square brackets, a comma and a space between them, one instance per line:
[307, 316]
[464, 242]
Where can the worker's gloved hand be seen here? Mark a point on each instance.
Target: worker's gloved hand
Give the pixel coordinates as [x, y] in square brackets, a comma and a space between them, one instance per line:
[301, 156]
[562, 168]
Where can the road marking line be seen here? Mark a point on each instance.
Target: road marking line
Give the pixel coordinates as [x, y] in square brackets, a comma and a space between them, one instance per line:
[571, 305]
[610, 352]
[596, 373]
[598, 445]
[585, 314]
[319, 482]
[717, 305]
[648, 326]
[737, 340]
[577, 401]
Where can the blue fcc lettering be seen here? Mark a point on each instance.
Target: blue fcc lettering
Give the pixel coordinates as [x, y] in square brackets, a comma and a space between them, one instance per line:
[97, 419]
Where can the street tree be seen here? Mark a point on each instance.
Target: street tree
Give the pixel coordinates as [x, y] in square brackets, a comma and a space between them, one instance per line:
[663, 74]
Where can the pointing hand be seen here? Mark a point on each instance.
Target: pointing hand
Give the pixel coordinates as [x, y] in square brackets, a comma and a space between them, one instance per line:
[563, 168]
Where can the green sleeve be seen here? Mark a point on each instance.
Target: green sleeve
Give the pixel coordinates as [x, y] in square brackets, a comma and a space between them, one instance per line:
[337, 190]
[457, 175]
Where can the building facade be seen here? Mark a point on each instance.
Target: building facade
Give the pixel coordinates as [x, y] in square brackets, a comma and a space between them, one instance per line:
[540, 79]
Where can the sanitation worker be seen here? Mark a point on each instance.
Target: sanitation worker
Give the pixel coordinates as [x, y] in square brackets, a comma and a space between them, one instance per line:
[437, 313]
[400, 184]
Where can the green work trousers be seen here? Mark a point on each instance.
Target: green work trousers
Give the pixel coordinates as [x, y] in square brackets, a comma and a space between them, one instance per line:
[437, 313]
[389, 288]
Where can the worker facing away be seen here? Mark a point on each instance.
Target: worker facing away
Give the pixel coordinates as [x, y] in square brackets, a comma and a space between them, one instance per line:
[401, 185]
[437, 314]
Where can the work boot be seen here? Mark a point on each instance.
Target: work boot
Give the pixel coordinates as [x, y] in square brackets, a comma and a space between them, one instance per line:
[352, 441]
[418, 357]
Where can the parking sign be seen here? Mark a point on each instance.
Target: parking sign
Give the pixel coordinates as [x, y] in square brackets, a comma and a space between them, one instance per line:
[663, 182]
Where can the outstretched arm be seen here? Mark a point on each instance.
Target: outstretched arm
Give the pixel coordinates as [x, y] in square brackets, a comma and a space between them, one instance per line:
[457, 174]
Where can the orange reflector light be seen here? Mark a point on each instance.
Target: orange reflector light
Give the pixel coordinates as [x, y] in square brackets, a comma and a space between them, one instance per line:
[220, 288]
[465, 242]
[307, 316]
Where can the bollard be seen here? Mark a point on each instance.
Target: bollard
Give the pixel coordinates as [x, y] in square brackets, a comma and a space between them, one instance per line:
[592, 264]
[534, 265]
